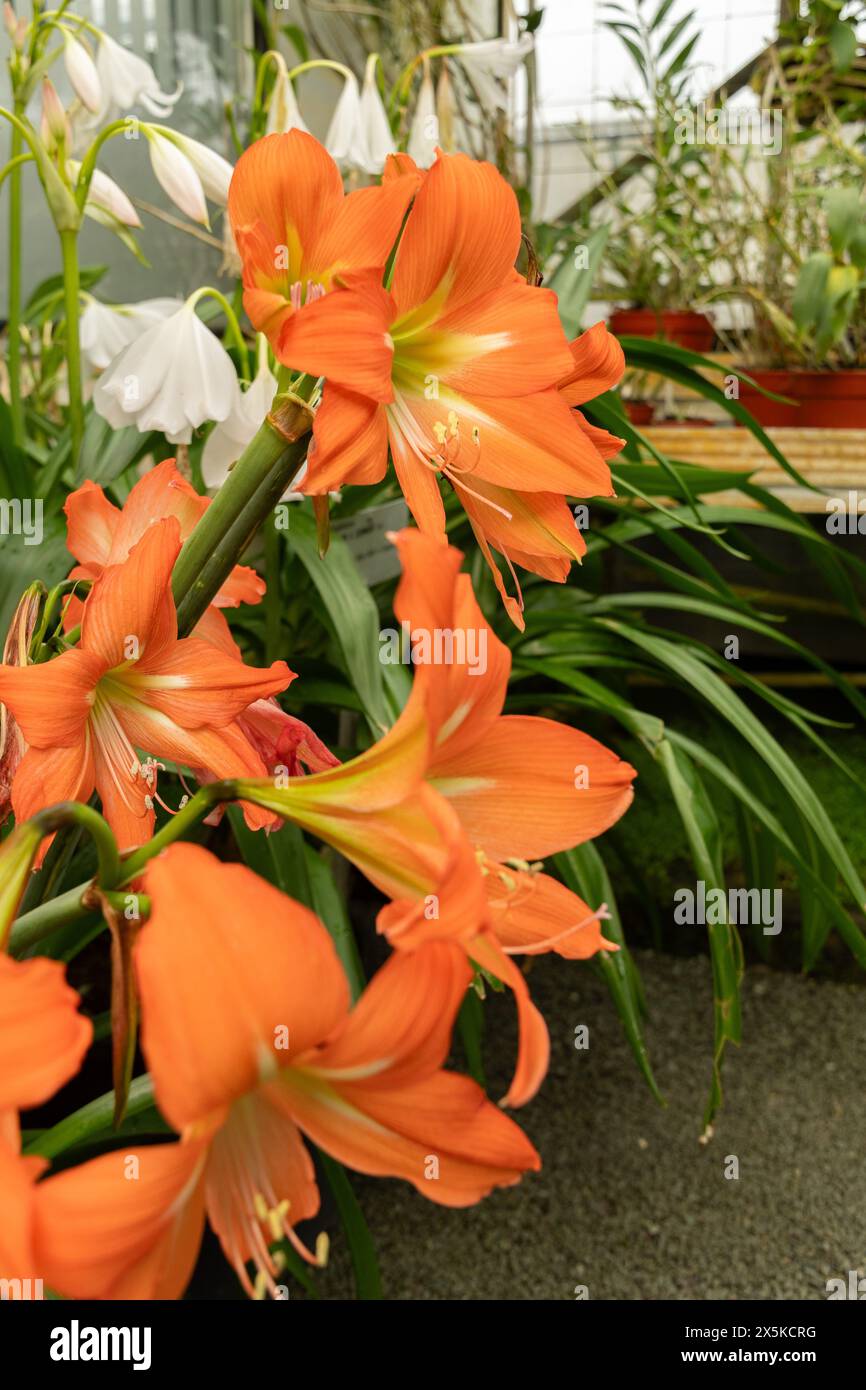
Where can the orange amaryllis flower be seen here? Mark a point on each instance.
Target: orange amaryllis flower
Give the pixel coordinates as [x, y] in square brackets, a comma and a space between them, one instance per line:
[43, 1039]
[522, 787]
[249, 1039]
[375, 809]
[296, 232]
[16, 650]
[100, 534]
[460, 378]
[132, 686]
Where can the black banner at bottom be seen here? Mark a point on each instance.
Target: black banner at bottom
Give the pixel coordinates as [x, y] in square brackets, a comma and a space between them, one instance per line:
[63, 1339]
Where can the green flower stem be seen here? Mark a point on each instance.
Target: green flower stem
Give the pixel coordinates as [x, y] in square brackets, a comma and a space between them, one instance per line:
[195, 810]
[252, 488]
[319, 63]
[273, 598]
[241, 533]
[88, 164]
[71, 297]
[77, 813]
[42, 921]
[74, 905]
[13, 312]
[234, 328]
[261, 455]
[13, 164]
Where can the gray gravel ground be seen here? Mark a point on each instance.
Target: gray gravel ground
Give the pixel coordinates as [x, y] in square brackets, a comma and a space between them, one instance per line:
[629, 1203]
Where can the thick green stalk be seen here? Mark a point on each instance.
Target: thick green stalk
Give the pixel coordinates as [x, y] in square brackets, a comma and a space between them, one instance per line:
[273, 597]
[252, 488]
[72, 305]
[13, 313]
[74, 905]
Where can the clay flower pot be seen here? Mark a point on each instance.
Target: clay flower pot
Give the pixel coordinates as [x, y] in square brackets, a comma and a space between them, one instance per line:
[824, 400]
[684, 328]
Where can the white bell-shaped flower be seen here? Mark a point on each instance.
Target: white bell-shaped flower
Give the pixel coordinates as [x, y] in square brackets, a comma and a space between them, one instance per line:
[375, 128]
[106, 329]
[283, 112]
[228, 440]
[344, 140]
[492, 60]
[175, 377]
[127, 79]
[424, 130]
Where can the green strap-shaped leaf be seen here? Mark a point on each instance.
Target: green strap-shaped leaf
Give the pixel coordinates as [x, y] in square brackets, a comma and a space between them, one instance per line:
[351, 612]
[583, 871]
[726, 953]
[368, 1281]
[713, 689]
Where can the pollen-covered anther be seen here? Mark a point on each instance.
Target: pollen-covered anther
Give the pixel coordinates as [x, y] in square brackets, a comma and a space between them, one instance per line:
[300, 294]
[524, 866]
[149, 770]
[323, 1248]
[276, 1218]
[272, 1217]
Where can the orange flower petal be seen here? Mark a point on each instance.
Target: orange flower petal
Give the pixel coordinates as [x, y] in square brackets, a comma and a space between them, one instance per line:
[194, 684]
[461, 238]
[51, 702]
[162, 491]
[366, 226]
[419, 484]
[534, 787]
[400, 1029]
[127, 1225]
[242, 586]
[404, 849]
[47, 776]
[17, 1186]
[350, 442]
[541, 910]
[508, 343]
[125, 795]
[464, 695]
[607, 444]
[288, 187]
[533, 1048]
[344, 336]
[537, 523]
[43, 1037]
[598, 363]
[376, 1100]
[442, 1135]
[91, 523]
[235, 980]
[212, 627]
[130, 608]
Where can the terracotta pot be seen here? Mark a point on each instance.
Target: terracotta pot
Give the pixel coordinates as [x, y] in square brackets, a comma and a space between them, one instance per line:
[687, 329]
[825, 400]
[640, 412]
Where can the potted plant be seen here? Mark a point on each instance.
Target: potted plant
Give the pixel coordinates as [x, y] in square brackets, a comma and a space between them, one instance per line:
[821, 335]
[654, 261]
